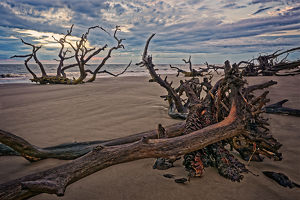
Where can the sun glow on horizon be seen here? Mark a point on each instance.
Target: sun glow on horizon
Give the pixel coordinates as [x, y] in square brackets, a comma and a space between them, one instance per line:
[46, 38]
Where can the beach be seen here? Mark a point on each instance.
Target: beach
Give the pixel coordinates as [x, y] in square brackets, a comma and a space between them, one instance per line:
[48, 115]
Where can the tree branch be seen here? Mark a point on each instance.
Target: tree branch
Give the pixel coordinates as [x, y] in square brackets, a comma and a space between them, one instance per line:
[19, 146]
[116, 75]
[147, 62]
[108, 55]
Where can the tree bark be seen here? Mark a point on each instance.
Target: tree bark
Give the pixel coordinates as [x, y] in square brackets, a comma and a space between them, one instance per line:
[147, 62]
[19, 146]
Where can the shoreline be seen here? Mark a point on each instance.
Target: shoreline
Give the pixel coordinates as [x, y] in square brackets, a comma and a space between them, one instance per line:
[108, 108]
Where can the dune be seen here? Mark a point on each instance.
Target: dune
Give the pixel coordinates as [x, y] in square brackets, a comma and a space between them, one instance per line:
[48, 115]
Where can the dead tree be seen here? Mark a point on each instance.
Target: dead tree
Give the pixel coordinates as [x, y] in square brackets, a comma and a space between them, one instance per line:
[269, 65]
[206, 131]
[81, 54]
[214, 108]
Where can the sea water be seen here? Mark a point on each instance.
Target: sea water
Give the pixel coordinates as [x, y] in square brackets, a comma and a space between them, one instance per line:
[19, 73]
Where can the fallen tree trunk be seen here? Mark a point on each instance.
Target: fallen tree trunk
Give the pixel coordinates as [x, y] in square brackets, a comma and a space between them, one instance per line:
[14, 145]
[56, 180]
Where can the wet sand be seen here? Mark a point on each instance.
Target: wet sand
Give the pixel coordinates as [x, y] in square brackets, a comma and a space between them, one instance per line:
[48, 115]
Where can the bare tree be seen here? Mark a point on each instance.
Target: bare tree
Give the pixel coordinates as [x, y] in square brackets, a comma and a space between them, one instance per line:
[80, 53]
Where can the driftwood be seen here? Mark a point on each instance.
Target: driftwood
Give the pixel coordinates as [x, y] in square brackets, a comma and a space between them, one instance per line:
[263, 65]
[178, 108]
[215, 107]
[173, 97]
[269, 65]
[81, 54]
[17, 146]
[229, 114]
[193, 72]
[57, 179]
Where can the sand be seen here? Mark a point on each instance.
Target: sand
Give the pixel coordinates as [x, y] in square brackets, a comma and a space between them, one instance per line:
[48, 115]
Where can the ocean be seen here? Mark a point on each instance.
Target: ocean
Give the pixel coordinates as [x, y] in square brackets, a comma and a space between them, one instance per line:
[19, 73]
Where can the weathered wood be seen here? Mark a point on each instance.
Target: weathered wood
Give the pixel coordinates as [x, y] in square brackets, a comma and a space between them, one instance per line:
[108, 55]
[259, 86]
[56, 180]
[267, 65]
[208, 129]
[193, 72]
[147, 62]
[81, 54]
[62, 54]
[14, 145]
[110, 73]
[29, 57]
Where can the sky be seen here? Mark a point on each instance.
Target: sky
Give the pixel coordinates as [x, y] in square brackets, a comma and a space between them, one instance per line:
[208, 30]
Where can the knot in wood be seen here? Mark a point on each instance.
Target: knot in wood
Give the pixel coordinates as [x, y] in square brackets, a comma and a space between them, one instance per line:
[98, 148]
[144, 139]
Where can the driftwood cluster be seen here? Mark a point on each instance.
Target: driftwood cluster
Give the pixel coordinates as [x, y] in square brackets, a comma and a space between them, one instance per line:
[270, 65]
[263, 65]
[79, 52]
[218, 118]
[214, 107]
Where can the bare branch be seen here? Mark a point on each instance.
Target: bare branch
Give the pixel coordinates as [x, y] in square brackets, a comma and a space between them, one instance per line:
[116, 75]
[146, 47]
[188, 62]
[74, 150]
[147, 62]
[108, 55]
[33, 54]
[21, 56]
[95, 53]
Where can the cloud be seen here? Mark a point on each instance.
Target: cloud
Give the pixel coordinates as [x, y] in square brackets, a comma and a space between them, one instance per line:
[204, 28]
[274, 1]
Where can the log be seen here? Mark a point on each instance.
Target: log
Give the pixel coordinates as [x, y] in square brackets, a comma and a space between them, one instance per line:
[259, 86]
[55, 180]
[14, 145]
